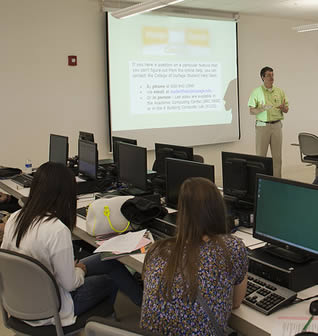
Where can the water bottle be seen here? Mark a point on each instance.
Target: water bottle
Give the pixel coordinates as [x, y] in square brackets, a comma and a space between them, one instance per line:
[28, 166]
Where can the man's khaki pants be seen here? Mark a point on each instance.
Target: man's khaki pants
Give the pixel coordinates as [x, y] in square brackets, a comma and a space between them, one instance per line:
[270, 135]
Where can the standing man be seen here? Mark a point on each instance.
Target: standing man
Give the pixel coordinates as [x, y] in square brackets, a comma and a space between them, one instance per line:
[269, 103]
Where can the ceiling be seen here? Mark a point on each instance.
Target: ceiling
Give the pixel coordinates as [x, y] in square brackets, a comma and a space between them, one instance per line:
[296, 9]
[299, 9]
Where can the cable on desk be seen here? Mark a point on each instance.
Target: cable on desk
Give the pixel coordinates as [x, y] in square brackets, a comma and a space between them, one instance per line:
[298, 300]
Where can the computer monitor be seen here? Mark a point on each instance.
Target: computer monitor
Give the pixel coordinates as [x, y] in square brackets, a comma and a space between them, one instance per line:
[87, 159]
[177, 171]
[132, 166]
[286, 216]
[164, 151]
[58, 151]
[86, 136]
[239, 175]
[115, 141]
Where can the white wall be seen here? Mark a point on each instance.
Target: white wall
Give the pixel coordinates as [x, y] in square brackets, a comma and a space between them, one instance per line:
[40, 94]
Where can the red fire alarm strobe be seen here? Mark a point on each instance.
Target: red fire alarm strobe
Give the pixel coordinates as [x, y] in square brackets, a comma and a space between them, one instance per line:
[72, 60]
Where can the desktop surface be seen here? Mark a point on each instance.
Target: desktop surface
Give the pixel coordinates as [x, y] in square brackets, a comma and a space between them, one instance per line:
[244, 319]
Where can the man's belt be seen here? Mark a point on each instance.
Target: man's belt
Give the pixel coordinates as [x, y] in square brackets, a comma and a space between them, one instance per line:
[271, 122]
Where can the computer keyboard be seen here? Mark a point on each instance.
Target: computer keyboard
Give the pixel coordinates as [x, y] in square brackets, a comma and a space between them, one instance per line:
[82, 212]
[265, 296]
[23, 179]
[133, 191]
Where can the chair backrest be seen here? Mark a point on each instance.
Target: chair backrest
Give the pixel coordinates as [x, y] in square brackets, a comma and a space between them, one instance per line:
[93, 328]
[99, 326]
[28, 290]
[198, 158]
[308, 144]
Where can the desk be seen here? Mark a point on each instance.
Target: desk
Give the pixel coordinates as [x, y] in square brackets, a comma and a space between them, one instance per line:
[135, 261]
[246, 320]
[14, 189]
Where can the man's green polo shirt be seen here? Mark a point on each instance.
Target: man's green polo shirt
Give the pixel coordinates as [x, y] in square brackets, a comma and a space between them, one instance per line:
[263, 96]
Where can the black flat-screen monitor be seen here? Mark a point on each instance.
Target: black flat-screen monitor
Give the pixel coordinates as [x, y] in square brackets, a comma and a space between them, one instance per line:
[286, 216]
[115, 141]
[87, 159]
[58, 149]
[239, 175]
[178, 171]
[132, 165]
[164, 151]
[86, 136]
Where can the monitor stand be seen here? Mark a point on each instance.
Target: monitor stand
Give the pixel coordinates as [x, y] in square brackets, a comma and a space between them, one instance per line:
[286, 254]
[295, 276]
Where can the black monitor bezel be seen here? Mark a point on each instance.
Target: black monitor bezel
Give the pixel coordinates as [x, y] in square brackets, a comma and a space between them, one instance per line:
[187, 163]
[86, 136]
[140, 154]
[66, 147]
[115, 140]
[177, 148]
[94, 147]
[250, 197]
[273, 241]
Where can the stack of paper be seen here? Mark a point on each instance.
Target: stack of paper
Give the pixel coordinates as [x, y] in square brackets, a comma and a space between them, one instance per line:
[128, 243]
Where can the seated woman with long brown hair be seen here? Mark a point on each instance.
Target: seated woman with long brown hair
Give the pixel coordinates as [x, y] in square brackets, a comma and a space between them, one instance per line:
[193, 280]
[43, 228]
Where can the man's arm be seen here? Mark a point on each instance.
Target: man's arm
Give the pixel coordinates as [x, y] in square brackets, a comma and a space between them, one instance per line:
[284, 107]
[256, 110]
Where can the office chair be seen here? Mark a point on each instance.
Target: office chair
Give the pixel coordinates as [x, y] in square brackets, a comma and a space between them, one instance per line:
[308, 147]
[28, 291]
[99, 326]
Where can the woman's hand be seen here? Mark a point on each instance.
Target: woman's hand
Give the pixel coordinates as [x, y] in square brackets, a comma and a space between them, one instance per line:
[80, 265]
[4, 198]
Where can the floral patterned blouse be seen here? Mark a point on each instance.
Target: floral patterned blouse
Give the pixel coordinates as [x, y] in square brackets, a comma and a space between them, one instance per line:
[215, 283]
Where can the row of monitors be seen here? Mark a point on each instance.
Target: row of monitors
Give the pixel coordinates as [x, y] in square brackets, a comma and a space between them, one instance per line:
[239, 170]
[87, 154]
[284, 210]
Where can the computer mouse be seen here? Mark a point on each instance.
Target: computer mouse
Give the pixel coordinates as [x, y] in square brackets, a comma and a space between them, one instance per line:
[313, 308]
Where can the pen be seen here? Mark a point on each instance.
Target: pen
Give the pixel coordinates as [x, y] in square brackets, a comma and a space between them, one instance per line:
[307, 324]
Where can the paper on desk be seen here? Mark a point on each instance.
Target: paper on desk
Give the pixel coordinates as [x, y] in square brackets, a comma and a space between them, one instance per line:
[249, 240]
[143, 242]
[291, 325]
[124, 243]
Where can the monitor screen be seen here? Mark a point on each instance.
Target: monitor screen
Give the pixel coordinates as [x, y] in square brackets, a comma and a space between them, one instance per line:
[86, 136]
[115, 146]
[178, 171]
[239, 175]
[87, 159]
[286, 215]
[164, 151]
[58, 149]
[132, 161]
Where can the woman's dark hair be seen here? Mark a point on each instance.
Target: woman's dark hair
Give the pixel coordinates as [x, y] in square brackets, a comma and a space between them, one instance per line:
[52, 195]
[201, 213]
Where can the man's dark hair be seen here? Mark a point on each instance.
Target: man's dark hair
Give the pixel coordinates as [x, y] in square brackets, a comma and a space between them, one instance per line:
[263, 71]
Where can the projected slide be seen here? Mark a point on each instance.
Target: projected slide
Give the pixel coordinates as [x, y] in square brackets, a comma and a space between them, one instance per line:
[169, 74]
